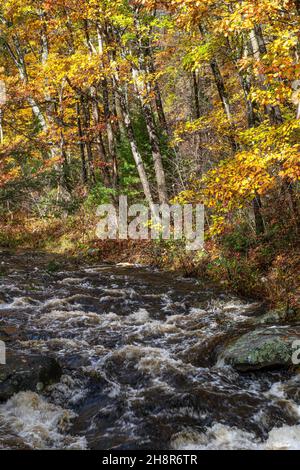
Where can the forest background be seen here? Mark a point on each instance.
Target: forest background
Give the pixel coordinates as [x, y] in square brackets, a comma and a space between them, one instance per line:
[177, 100]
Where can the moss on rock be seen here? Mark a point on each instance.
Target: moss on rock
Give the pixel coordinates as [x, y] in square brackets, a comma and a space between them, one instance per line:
[270, 347]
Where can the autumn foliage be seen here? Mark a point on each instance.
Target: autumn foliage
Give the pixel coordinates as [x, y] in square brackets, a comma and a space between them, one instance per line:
[162, 100]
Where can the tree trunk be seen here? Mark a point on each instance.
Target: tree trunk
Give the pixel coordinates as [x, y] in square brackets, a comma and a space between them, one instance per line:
[1, 127]
[18, 58]
[157, 96]
[134, 148]
[156, 154]
[88, 145]
[259, 221]
[196, 95]
[224, 97]
[81, 146]
[253, 120]
[142, 93]
[259, 49]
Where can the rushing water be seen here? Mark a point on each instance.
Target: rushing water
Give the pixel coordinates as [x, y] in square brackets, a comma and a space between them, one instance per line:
[139, 351]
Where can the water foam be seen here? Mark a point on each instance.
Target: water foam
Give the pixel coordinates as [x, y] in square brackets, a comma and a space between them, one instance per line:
[222, 437]
[39, 424]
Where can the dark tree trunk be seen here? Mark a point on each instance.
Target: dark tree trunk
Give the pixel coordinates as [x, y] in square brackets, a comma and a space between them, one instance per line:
[108, 116]
[224, 97]
[259, 221]
[66, 177]
[158, 100]
[196, 95]
[88, 145]
[102, 153]
[142, 50]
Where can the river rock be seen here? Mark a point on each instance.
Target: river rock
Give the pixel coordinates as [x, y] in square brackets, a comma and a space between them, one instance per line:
[3, 298]
[26, 372]
[9, 333]
[265, 348]
[278, 316]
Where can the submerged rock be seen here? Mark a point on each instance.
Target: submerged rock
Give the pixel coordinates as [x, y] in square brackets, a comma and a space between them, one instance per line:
[26, 372]
[3, 298]
[9, 333]
[264, 348]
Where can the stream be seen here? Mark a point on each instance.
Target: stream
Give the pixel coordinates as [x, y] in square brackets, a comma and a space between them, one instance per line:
[139, 353]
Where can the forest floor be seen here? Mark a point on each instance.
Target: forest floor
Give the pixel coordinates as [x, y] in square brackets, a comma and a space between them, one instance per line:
[267, 269]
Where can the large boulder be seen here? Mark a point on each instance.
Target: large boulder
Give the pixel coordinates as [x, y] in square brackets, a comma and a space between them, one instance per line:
[265, 348]
[26, 372]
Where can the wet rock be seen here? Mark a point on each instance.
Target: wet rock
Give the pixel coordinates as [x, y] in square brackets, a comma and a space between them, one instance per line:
[277, 316]
[11, 441]
[93, 251]
[9, 333]
[265, 348]
[26, 372]
[3, 298]
[205, 352]
[292, 388]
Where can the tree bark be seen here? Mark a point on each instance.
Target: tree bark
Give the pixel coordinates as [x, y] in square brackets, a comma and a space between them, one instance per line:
[88, 145]
[196, 95]
[108, 116]
[224, 97]
[18, 58]
[259, 48]
[157, 96]
[156, 155]
[253, 120]
[142, 92]
[84, 173]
